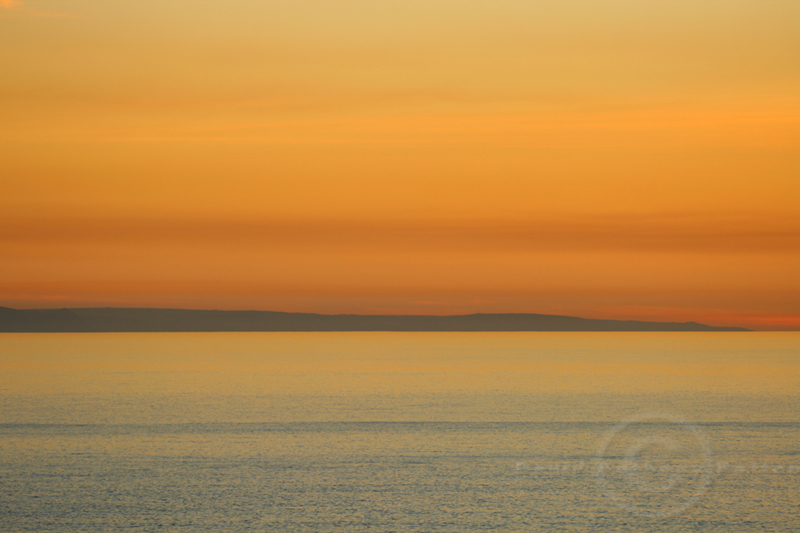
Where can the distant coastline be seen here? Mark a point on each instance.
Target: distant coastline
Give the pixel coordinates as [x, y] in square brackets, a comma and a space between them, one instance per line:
[110, 319]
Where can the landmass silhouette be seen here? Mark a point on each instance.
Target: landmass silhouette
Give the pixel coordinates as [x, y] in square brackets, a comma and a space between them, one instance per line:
[111, 319]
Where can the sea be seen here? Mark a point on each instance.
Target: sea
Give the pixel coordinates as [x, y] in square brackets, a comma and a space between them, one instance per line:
[400, 432]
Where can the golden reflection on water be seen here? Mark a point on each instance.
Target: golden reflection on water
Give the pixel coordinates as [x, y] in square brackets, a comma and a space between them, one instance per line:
[402, 432]
[187, 377]
[296, 362]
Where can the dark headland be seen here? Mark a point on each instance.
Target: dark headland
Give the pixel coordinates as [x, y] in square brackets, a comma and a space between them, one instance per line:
[111, 319]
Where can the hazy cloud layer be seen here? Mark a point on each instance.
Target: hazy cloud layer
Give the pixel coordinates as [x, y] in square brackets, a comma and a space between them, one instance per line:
[665, 233]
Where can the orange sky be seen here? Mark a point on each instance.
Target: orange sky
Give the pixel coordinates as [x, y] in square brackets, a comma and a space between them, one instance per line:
[618, 159]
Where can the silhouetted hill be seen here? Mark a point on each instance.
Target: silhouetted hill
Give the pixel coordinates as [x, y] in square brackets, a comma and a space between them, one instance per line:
[109, 319]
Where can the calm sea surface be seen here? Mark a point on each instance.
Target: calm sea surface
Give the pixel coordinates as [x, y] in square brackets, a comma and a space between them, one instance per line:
[402, 432]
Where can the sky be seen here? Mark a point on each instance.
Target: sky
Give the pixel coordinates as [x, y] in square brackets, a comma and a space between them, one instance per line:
[599, 158]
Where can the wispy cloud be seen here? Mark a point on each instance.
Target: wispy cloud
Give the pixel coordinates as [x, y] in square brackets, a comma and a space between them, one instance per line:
[54, 15]
[27, 12]
[687, 233]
